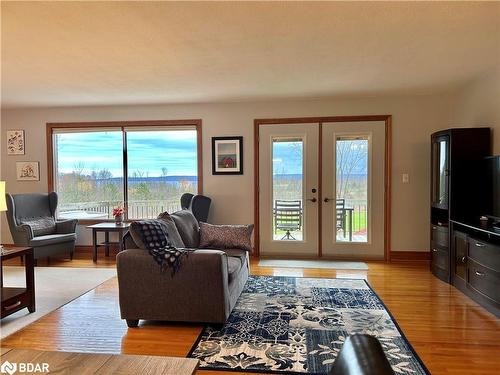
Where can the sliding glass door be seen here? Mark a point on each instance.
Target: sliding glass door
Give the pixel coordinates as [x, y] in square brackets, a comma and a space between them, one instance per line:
[145, 169]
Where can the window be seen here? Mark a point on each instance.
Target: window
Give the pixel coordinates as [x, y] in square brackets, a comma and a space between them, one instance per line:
[352, 162]
[288, 181]
[143, 168]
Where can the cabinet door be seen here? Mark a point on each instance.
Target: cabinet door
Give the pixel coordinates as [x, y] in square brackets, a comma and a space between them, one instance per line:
[440, 171]
[460, 245]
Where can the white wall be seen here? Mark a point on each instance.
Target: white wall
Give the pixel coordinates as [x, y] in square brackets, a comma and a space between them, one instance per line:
[478, 104]
[414, 119]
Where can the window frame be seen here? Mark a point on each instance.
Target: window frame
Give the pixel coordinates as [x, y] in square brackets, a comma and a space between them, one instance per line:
[121, 125]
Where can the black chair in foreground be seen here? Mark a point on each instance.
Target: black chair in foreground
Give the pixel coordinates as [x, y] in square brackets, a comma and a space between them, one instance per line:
[361, 355]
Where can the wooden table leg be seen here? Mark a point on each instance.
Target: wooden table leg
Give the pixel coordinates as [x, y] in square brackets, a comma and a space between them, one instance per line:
[106, 241]
[94, 250]
[30, 279]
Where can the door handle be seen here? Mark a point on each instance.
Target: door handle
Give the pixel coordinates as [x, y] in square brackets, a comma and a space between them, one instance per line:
[314, 200]
[479, 244]
[479, 273]
[326, 200]
[464, 259]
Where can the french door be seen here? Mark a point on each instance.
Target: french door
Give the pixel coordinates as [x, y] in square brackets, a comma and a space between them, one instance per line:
[321, 189]
[288, 170]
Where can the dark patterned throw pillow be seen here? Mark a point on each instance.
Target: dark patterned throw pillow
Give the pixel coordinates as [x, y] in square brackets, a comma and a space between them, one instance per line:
[149, 234]
[226, 236]
[152, 235]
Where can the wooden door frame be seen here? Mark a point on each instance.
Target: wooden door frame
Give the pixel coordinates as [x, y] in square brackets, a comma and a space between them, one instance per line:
[319, 121]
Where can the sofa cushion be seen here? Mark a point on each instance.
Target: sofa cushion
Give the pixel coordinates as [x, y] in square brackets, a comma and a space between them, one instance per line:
[174, 237]
[225, 236]
[233, 267]
[40, 226]
[188, 228]
[149, 234]
[52, 239]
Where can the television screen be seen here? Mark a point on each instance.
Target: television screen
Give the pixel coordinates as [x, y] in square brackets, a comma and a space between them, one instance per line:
[493, 185]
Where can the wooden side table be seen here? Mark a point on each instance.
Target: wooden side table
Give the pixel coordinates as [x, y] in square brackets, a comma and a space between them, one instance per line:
[17, 298]
[121, 229]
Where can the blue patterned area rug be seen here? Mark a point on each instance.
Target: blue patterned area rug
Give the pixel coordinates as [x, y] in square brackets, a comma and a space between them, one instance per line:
[289, 325]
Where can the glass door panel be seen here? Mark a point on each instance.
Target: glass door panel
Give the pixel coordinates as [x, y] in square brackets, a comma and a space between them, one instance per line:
[353, 185]
[89, 175]
[288, 189]
[162, 165]
[440, 172]
[288, 182]
[351, 205]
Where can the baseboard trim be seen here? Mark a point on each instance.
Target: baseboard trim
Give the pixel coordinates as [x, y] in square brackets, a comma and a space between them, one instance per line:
[401, 256]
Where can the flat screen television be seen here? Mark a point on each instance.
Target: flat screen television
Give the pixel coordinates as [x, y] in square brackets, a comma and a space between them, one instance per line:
[492, 166]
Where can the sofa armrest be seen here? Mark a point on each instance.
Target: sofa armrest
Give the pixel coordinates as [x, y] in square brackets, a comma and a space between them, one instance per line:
[66, 226]
[198, 291]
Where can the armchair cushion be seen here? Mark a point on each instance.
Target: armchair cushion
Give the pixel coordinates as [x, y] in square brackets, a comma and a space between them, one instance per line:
[226, 236]
[40, 226]
[52, 239]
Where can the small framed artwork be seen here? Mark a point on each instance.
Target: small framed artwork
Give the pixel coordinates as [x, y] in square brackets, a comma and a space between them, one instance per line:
[15, 142]
[227, 155]
[28, 171]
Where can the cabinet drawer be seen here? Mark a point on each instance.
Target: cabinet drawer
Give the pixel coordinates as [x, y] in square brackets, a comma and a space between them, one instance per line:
[484, 280]
[440, 258]
[484, 253]
[439, 235]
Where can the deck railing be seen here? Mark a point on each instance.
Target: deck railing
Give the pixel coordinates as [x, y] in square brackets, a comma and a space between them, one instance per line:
[103, 209]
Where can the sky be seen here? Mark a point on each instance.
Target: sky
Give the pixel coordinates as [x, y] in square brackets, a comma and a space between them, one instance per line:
[287, 157]
[148, 152]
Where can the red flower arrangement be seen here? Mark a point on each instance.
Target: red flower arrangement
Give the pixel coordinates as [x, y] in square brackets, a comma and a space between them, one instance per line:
[118, 211]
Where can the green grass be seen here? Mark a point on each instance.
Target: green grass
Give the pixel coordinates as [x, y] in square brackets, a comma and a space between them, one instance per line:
[359, 222]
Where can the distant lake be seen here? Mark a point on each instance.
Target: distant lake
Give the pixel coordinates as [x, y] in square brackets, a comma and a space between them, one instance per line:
[177, 179]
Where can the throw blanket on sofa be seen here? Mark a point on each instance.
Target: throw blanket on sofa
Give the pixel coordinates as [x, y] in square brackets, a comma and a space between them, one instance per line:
[169, 257]
[152, 235]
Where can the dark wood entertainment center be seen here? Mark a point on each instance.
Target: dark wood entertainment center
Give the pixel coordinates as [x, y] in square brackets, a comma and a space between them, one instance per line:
[465, 251]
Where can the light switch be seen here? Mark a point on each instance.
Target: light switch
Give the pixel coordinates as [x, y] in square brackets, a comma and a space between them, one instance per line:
[406, 178]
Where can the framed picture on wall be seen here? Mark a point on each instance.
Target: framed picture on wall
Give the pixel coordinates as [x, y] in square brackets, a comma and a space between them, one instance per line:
[15, 142]
[28, 171]
[227, 155]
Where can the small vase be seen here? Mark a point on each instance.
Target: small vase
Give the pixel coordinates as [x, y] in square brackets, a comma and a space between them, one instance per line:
[119, 219]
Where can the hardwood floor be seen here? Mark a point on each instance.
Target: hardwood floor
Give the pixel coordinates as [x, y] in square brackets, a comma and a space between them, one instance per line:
[450, 332]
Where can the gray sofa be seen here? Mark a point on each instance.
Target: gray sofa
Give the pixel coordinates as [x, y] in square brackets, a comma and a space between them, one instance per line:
[32, 222]
[205, 288]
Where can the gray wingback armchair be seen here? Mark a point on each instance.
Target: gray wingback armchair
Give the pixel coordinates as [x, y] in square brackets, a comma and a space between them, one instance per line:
[32, 222]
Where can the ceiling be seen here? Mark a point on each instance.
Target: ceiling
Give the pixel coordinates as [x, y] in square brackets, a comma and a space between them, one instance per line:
[104, 53]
